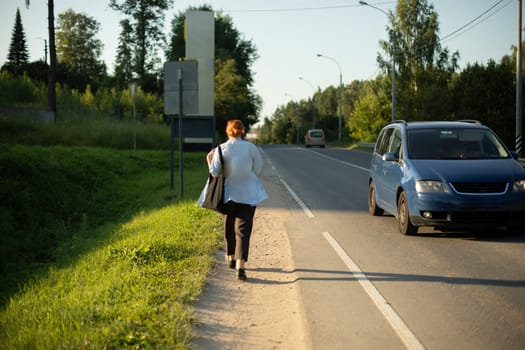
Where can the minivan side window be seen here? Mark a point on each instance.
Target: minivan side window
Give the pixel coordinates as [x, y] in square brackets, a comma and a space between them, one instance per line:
[395, 142]
[380, 139]
[382, 145]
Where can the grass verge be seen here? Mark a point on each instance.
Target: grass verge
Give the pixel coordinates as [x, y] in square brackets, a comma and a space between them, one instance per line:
[126, 278]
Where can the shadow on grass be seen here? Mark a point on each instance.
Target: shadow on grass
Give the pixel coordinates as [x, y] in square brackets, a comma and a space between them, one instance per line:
[148, 191]
[14, 281]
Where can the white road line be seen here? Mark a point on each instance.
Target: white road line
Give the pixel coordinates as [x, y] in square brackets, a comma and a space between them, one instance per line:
[402, 330]
[292, 193]
[343, 162]
[297, 199]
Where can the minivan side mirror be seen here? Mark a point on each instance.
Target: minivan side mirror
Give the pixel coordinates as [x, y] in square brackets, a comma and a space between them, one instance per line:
[390, 157]
[514, 155]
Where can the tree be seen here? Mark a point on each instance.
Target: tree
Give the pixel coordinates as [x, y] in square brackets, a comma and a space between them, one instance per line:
[371, 111]
[287, 121]
[232, 95]
[422, 63]
[146, 21]
[234, 55]
[265, 132]
[17, 57]
[124, 60]
[327, 103]
[487, 93]
[351, 93]
[229, 43]
[78, 48]
[283, 125]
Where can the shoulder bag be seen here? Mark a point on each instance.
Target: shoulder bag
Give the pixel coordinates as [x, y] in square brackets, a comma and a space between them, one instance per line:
[214, 197]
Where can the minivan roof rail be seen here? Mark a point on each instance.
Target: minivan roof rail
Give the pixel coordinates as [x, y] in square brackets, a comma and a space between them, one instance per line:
[398, 121]
[473, 121]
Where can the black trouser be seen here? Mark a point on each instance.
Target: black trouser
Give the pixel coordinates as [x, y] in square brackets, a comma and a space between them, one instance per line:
[238, 223]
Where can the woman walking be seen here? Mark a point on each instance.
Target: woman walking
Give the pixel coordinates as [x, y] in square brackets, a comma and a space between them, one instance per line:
[243, 191]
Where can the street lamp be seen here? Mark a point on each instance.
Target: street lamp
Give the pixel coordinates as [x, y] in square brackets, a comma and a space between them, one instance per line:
[313, 100]
[393, 60]
[340, 93]
[296, 119]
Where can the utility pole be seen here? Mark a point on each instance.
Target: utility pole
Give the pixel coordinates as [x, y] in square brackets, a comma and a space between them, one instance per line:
[45, 49]
[519, 79]
[52, 73]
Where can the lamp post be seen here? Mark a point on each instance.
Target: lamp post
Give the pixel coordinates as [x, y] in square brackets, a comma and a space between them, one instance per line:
[340, 93]
[313, 100]
[296, 119]
[364, 3]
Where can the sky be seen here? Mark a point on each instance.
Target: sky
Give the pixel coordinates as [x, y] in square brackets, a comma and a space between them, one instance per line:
[288, 35]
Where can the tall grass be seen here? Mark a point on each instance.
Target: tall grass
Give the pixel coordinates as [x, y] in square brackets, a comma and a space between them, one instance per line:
[73, 131]
[95, 252]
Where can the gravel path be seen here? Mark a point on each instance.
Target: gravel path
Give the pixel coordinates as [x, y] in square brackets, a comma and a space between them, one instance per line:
[265, 312]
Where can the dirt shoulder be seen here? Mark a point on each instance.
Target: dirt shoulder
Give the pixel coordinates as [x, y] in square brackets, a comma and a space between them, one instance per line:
[265, 312]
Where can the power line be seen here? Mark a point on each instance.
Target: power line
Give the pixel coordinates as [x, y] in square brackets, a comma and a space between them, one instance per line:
[471, 24]
[464, 28]
[450, 36]
[294, 9]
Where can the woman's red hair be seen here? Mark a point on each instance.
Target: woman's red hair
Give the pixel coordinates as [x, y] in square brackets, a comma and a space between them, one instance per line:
[235, 128]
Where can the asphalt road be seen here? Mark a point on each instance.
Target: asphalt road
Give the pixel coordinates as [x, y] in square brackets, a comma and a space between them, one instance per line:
[366, 286]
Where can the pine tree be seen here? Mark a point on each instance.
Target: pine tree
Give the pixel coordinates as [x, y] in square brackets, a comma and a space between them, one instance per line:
[17, 57]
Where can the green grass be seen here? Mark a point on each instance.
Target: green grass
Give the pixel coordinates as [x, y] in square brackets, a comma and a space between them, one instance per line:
[81, 131]
[135, 290]
[120, 261]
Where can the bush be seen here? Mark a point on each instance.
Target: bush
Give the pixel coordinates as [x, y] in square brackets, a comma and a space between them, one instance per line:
[105, 103]
[20, 90]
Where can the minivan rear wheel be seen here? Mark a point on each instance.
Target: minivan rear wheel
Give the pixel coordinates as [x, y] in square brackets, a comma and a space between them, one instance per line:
[403, 217]
[373, 209]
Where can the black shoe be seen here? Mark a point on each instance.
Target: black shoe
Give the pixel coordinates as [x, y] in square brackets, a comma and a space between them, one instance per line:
[230, 263]
[241, 275]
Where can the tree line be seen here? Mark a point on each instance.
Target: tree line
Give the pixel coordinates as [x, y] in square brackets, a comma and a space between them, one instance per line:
[429, 86]
[138, 58]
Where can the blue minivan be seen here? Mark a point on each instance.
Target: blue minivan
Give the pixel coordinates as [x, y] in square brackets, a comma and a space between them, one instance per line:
[446, 175]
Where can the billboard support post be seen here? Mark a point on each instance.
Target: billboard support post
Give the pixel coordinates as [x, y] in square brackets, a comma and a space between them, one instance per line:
[181, 135]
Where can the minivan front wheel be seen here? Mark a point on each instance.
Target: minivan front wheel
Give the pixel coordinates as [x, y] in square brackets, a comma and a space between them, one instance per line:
[403, 218]
[373, 209]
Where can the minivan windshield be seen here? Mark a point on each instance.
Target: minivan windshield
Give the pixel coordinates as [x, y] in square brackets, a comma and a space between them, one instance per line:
[454, 143]
[316, 133]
